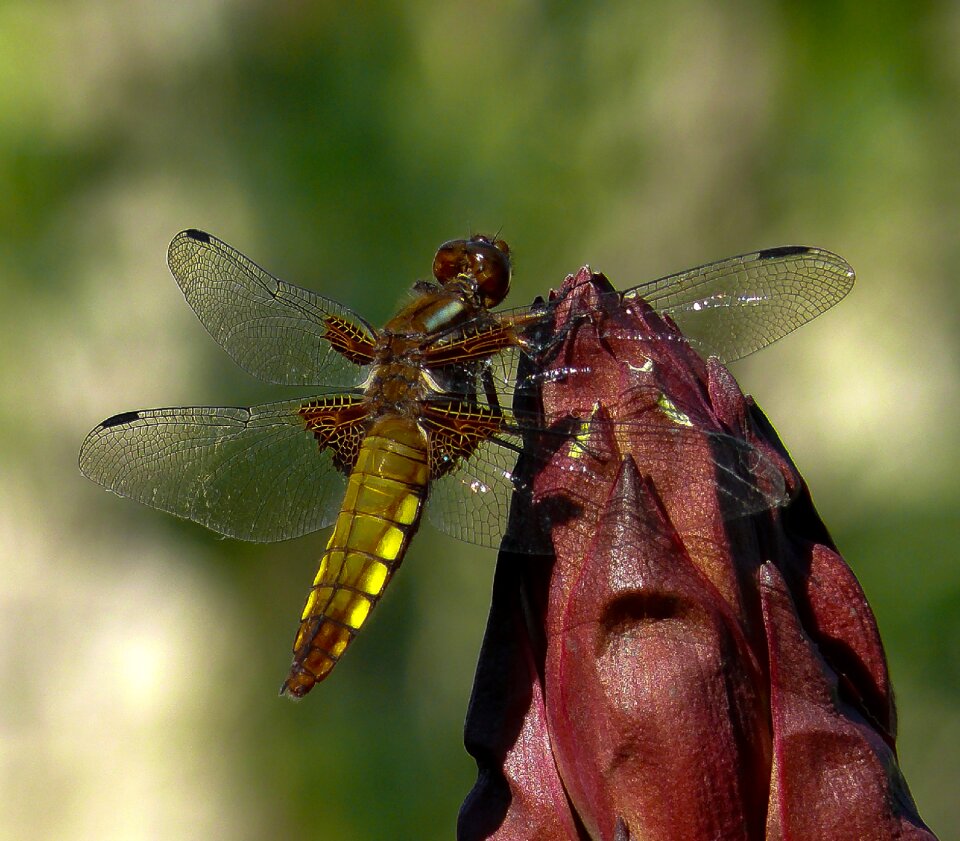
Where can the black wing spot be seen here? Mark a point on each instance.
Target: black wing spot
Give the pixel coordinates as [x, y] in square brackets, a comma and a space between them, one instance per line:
[118, 420]
[199, 236]
[782, 251]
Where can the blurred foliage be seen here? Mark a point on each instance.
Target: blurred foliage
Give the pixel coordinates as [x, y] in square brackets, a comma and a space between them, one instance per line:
[337, 145]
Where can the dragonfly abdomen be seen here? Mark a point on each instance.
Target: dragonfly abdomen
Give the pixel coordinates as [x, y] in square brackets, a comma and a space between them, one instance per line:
[380, 513]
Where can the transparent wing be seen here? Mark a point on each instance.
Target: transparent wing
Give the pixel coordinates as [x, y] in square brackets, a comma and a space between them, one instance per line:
[472, 503]
[737, 306]
[254, 474]
[272, 329]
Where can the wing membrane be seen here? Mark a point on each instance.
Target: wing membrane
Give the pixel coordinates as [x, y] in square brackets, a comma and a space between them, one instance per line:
[272, 329]
[472, 503]
[253, 474]
[737, 306]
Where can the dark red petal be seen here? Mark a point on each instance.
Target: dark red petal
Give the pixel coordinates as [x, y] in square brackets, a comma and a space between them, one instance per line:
[833, 776]
[650, 721]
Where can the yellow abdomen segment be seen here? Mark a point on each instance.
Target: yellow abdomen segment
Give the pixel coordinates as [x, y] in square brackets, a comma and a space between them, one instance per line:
[380, 513]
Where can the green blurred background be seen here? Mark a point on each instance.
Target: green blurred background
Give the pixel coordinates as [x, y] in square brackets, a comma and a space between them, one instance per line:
[337, 145]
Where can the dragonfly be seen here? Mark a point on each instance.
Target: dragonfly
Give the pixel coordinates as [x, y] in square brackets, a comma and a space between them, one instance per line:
[414, 417]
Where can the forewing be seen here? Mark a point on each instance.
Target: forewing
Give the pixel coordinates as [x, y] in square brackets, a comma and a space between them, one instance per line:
[737, 306]
[253, 474]
[274, 330]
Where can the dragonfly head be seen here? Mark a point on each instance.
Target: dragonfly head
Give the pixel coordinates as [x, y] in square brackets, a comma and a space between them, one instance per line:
[485, 261]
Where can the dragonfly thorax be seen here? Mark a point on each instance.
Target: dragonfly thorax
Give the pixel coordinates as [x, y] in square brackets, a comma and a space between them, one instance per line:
[395, 387]
[431, 312]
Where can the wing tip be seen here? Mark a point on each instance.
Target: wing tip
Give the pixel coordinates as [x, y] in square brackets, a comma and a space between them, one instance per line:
[837, 264]
[191, 234]
[180, 242]
[91, 444]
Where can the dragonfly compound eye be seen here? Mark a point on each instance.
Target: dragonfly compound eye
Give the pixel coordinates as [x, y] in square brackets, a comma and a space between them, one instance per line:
[487, 262]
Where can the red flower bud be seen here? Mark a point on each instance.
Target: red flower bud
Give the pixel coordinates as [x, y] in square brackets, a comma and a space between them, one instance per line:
[695, 660]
